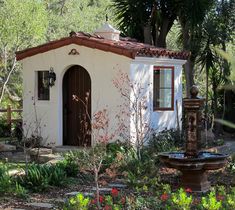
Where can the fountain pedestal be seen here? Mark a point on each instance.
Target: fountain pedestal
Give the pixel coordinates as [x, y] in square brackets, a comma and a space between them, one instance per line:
[193, 163]
[195, 179]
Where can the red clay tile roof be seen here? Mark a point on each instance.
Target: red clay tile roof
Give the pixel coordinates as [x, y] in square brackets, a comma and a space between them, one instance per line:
[126, 47]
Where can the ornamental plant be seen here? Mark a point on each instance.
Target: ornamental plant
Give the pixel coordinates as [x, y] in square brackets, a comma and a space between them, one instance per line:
[210, 202]
[115, 201]
[231, 199]
[78, 202]
[134, 106]
[98, 127]
[5, 179]
[182, 199]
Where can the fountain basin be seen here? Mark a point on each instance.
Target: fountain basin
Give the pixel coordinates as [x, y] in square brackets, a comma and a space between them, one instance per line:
[194, 169]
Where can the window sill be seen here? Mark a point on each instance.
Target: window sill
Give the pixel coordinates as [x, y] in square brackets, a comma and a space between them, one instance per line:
[162, 109]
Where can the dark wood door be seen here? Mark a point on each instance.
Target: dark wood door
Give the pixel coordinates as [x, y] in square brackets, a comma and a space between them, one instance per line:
[76, 126]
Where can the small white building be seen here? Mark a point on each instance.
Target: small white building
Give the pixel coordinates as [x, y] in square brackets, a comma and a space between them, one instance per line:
[88, 63]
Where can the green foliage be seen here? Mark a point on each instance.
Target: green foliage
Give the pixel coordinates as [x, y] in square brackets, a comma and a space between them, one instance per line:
[78, 202]
[23, 24]
[141, 202]
[166, 140]
[131, 19]
[210, 202]
[142, 175]
[57, 175]
[113, 150]
[70, 163]
[231, 164]
[231, 199]
[40, 177]
[182, 200]
[27, 23]
[67, 16]
[20, 191]
[230, 58]
[5, 179]
[36, 179]
[4, 128]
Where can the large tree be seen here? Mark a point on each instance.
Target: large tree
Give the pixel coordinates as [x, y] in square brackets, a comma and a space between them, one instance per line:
[27, 23]
[75, 15]
[148, 21]
[151, 20]
[22, 24]
[191, 14]
[217, 31]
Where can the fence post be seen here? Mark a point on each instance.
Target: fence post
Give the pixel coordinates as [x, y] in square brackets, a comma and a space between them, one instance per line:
[9, 118]
[9, 115]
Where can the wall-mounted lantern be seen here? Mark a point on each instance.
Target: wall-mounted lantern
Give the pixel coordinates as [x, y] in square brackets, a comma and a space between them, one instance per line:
[52, 77]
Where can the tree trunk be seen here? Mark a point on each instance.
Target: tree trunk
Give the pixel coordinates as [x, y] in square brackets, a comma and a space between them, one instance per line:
[189, 75]
[217, 115]
[97, 188]
[189, 66]
[7, 80]
[164, 29]
[207, 92]
[147, 34]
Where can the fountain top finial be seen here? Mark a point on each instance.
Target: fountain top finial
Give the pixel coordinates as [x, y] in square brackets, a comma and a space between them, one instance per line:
[194, 91]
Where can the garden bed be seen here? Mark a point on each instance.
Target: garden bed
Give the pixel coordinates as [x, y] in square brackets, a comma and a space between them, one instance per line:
[57, 196]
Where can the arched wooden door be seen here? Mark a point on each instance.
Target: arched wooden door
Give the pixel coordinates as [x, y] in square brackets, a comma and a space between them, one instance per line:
[76, 126]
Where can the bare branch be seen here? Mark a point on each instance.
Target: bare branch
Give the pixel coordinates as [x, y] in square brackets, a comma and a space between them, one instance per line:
[7, 79]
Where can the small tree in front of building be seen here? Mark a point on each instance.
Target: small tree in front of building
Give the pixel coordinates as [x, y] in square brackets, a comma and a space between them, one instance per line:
[136, 109]
[98, 127]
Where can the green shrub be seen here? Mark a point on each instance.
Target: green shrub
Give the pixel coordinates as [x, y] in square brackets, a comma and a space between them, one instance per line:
[78, 202]
[70, 163]
[5, 179]
[4, 129]
[166, 140]
[36, 179]
[20, 191]
[113, 151]
[39, 177]
[182, 200]
[210, 202]
[231, 164]
[57, 175]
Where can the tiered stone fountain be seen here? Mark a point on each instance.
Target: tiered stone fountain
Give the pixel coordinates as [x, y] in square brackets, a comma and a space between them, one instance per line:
[193, 163]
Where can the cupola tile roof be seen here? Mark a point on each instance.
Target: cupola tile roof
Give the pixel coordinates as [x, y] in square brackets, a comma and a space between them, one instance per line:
[124, 46]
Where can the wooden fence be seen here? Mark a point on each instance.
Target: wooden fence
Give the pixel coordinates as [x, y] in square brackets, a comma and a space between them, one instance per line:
[9, 112]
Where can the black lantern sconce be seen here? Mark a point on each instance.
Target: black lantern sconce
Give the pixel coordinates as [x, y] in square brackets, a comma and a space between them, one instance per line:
[52, 77]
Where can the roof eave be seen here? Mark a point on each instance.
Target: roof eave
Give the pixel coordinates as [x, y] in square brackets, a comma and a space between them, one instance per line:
[20, 55]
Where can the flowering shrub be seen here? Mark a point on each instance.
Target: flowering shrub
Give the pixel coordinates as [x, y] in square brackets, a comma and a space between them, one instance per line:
[164, 197]
[114, 192]
[182, 199]
[116, 200]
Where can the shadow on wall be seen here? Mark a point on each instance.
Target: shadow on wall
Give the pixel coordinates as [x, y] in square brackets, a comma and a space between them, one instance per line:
[164, 120]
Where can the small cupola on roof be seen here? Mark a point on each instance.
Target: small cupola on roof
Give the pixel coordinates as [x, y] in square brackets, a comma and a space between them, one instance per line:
[108, 32]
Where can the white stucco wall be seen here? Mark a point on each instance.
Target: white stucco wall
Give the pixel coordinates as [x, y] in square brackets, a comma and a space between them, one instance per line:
[142, 70]
[102, 67]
